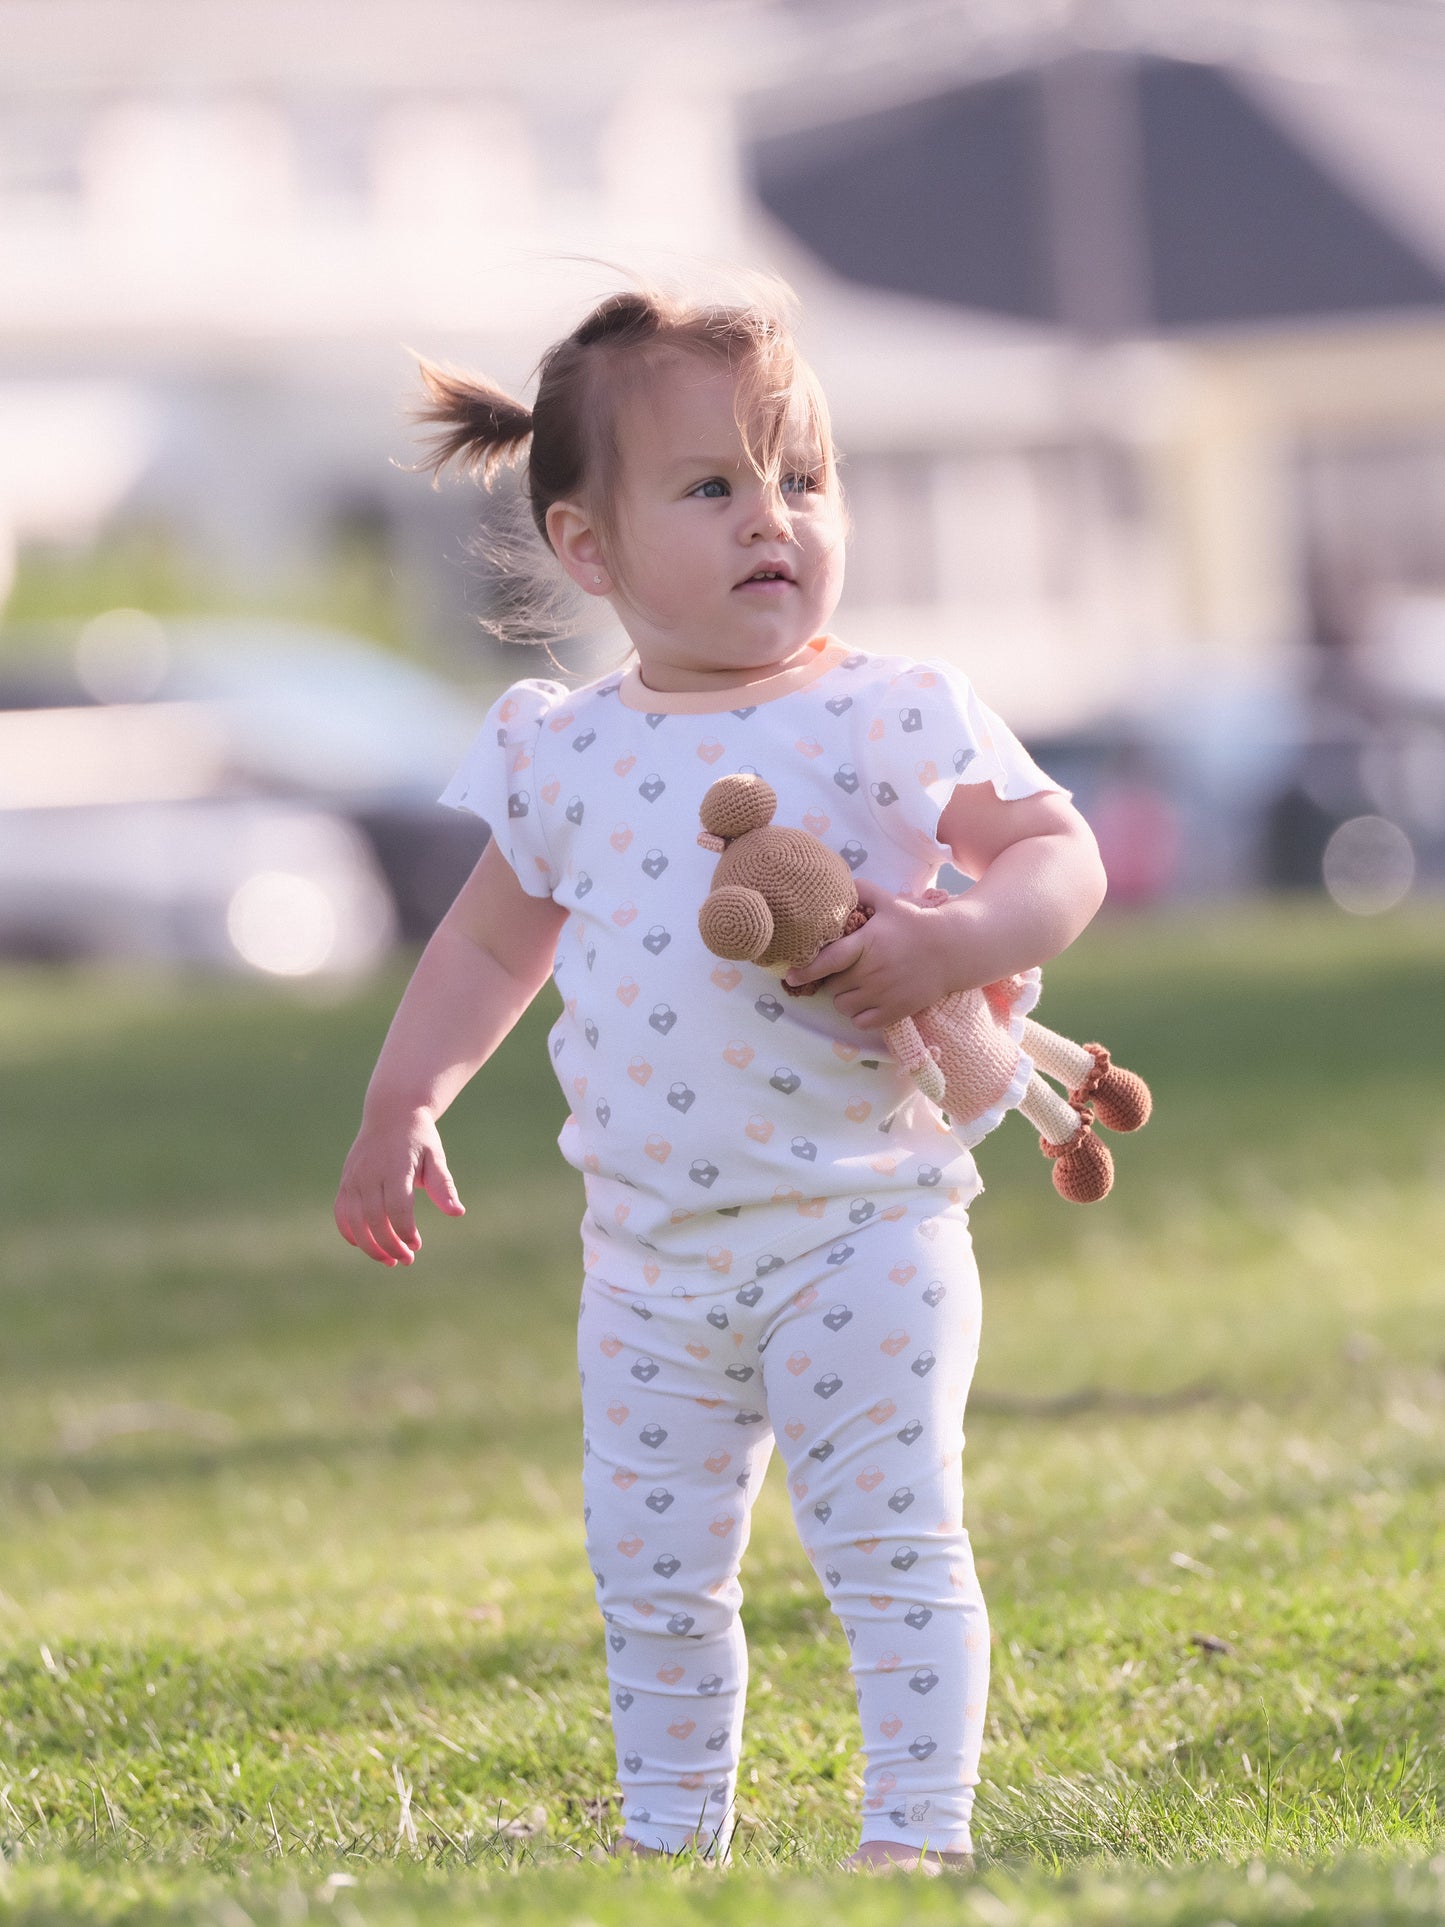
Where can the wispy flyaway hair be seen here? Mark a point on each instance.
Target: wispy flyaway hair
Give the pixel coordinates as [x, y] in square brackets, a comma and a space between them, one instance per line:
[584, 383]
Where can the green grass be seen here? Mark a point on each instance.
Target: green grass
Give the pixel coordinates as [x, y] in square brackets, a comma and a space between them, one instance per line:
[291, 1572]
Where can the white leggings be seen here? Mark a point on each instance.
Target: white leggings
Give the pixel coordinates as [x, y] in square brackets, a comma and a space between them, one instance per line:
[858, 1356]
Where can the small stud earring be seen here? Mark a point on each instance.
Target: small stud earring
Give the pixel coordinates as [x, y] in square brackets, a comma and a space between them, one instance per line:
[596, 578]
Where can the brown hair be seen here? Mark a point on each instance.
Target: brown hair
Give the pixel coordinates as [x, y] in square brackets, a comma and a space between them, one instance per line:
[570, 432]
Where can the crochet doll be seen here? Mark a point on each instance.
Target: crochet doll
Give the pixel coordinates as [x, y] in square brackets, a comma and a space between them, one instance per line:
[778, 895]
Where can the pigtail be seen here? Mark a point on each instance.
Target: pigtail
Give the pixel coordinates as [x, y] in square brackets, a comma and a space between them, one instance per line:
[482, 427]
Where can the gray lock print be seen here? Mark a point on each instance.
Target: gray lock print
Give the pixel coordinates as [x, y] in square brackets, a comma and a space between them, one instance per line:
[715, 1742]
[653, 719]
[663, 1018]
[681, 1098]
[624, 1698]
[710, 1684]
[853, 854]
[828, 1384]
[837, 705]
[657, 940]
[768, 1007]
[654, 863]
[904, 1560]
[911, 1432]
[883, 794]
[666, 1565]
[633, 1762]
[804, 1147]
[785, 1080]
[747, 1418]
[836, 1317]
[822, 1451]
[645, 1369]
[718, 1318]
[703, 1173]
[918, 1617]
[767, 1264]
[911, 719]
[590, 1032]
[961, 760]
[929, 1174]
[591, 955]
[935, 1294]
[502, 736]
[741, 1481]
[846, 777]
[642, 1310]
[583, 883]
[604, 1113]
[653, 1435]
[840, 1254]
[861, 1210]
[651, 787]
[822, 1512]
[585, 740]
[922, 1747]
[575, 810]
[658, 1499]
[616, 1641]
[680, 1623]
[739, 1374]
[749, 709]
[832, 1575]
[559, 1044]
[519, 802]
[923, 1364]
[749, 1295]
[902, 1499]
[852, 1635]
[728, 1210]
[923, 1681]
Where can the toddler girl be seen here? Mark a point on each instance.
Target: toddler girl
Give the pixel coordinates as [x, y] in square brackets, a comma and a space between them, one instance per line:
[776, 1242]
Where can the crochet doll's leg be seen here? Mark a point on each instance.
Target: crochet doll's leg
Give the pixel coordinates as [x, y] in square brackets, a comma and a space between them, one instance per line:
[675, 1450]
[1083, 1168]
[1120, 1097]
[868, 1365]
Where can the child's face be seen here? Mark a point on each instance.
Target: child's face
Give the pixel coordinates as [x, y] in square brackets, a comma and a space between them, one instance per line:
[695, 525]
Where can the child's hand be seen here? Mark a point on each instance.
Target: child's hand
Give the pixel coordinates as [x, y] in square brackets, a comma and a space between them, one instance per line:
[374, 1205]
[891, 967]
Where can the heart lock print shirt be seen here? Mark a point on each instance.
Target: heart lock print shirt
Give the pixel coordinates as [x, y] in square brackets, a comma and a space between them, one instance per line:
[722, 1126]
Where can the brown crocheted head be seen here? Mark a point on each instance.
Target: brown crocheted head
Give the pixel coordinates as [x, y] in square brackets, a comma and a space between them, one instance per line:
[777, 895]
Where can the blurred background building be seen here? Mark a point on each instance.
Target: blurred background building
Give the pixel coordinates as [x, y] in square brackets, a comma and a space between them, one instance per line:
[1132, 320]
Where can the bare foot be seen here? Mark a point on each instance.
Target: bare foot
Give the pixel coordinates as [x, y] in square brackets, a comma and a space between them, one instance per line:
[889, 1856]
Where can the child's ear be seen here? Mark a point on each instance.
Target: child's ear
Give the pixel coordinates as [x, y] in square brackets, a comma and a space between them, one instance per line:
[575, 545]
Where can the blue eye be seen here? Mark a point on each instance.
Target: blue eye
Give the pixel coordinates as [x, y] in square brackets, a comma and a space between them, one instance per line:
[712, 490]
[801, 482]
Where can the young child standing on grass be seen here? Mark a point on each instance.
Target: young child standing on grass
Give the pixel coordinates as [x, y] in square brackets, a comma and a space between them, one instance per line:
[776, 1245]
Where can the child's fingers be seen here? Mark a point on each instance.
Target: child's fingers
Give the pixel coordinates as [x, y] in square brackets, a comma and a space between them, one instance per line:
[832, 958]
[436, 1180]
[401, 1216]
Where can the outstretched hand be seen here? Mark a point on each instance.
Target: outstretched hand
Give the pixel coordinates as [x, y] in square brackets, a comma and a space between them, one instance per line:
[895, 964]
[375, 1202]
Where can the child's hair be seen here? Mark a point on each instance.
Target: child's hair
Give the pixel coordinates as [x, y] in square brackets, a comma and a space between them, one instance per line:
[570, 431]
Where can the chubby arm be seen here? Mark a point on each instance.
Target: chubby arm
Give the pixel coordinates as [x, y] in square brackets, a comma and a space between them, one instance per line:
[489, 956]
[1039, 881]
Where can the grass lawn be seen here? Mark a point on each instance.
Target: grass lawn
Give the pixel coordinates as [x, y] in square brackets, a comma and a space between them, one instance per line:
[294, 1616]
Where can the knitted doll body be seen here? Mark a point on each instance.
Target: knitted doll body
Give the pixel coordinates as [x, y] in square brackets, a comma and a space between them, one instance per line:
[779, 895]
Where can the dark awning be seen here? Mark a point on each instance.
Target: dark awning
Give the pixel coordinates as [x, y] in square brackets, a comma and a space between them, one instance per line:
[1114, 194]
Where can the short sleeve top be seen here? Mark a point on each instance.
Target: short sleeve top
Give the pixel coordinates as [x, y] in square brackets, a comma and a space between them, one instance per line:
[721, 1126]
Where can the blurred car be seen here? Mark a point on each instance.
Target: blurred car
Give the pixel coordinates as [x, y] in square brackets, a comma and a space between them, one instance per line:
[232, 794]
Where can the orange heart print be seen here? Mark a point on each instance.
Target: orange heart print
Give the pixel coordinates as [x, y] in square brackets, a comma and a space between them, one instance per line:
[759, 1129]
[739, 1054]
[551, 789]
